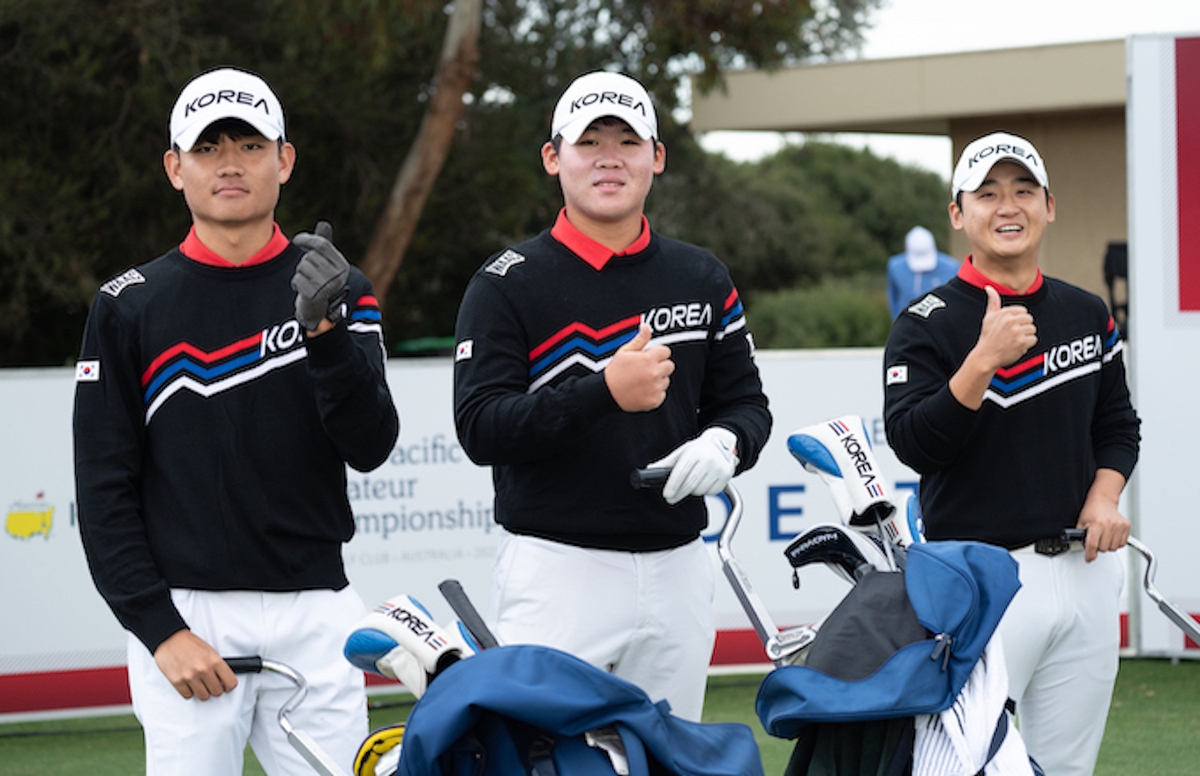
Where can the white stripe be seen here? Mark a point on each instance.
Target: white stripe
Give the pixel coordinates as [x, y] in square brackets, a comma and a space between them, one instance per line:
[733, 326]
[370, 328]
[187, 382]
[1117, 348]
[683, 336]
[562, 366]
[582, 359]
[1041, 387]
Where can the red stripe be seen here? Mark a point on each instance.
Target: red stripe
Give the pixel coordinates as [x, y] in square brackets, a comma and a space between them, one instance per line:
[367, 300]
[1024, 366]
[208, 358]
[731, 299]
[64, 690]
[593, 334]
[1187, 154]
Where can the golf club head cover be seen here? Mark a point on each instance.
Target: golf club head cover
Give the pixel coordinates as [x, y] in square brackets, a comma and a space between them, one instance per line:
[839, 451]
[400, 640]
[700, 467]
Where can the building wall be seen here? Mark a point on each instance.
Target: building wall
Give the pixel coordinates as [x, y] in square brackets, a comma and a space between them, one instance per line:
[1085, 158]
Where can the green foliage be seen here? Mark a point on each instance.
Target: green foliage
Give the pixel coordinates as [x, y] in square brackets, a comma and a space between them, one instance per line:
[835, 313]
[87, 86]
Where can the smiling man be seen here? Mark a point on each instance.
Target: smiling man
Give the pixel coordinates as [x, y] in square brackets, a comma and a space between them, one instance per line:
[223, 389]
[1006, 391]
[596, 348]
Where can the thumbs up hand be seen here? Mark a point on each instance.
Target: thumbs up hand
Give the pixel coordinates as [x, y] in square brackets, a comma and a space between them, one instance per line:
[637, 376]
[1007, 333]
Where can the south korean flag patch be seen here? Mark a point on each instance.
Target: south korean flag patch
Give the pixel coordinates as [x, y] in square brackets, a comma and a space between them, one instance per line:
[897, 374]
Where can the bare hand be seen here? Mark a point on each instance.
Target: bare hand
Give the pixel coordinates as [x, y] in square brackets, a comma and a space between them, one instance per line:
[193, 667]
[1007, 332]
[1107, 529]
[638, 376]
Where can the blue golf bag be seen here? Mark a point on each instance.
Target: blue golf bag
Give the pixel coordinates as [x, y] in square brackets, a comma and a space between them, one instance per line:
[540, 712]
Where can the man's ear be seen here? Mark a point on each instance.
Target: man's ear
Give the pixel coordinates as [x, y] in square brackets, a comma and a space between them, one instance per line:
[550, 158]
[956, 216]
[287, 162]
[171, 163]
[660, 157]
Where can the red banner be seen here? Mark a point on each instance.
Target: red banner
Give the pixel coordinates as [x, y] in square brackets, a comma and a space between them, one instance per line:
[1187, 143]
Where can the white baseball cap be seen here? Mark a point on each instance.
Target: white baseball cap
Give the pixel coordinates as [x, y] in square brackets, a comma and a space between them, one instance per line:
[981, 156]
[225, 94]
[600, 94]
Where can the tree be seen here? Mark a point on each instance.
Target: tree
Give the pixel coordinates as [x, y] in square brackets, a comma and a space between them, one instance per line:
[87, 85]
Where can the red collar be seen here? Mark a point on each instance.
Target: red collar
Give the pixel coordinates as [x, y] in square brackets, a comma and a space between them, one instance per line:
[595, 254]
[969, 274]
[199, 252]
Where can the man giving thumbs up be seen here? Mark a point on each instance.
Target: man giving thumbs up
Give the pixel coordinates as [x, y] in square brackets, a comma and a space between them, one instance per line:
[593, 349]
[1006, 391]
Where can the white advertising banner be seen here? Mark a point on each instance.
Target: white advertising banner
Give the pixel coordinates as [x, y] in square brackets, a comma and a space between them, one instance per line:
[1163, 161]
[424, 516]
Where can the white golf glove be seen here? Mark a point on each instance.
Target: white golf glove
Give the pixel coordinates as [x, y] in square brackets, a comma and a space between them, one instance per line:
[401, 641]
[700, 467]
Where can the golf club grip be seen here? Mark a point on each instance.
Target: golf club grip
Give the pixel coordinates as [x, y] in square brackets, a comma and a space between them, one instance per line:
[648, 478]
[454, 594]
[245, 665]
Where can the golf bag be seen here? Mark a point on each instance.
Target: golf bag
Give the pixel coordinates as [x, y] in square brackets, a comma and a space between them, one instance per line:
[541, 712]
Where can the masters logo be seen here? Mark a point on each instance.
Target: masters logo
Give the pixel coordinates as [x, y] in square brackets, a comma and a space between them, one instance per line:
[27, 519]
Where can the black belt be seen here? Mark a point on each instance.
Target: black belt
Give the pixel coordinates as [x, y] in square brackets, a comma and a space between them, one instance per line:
[1056, 545]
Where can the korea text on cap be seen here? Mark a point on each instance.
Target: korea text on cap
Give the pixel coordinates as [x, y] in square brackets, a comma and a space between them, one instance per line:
[225, 94]
[601, 94]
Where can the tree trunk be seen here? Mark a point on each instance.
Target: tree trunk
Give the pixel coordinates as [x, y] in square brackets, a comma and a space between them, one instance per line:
[456, 67]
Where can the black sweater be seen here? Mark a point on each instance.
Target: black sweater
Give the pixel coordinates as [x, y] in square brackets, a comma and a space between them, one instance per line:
[537, 326]
[1019, 468]
[210, 453]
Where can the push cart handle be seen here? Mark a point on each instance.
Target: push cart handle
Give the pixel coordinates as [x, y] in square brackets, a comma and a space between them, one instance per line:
[245, 665]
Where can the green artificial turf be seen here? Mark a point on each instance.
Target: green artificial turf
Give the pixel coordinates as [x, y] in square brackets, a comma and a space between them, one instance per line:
[1153, 729]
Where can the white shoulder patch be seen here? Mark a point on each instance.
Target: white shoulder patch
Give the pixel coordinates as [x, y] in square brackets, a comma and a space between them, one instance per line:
[927, 305]
[897, 374]
[465, 350]
[504, 262]
[121, 282]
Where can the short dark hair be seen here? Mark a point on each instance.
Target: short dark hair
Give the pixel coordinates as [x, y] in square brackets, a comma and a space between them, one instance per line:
[234, 129]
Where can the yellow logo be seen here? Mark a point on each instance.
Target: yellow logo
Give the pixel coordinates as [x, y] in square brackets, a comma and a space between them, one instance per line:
[26, 520]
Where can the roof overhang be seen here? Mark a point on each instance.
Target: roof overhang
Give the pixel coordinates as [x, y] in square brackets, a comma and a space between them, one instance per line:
[917, 95]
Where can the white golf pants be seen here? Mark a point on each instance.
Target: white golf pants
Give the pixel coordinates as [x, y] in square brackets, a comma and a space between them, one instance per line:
[646, 617]
[1061, 637]
[305, 630]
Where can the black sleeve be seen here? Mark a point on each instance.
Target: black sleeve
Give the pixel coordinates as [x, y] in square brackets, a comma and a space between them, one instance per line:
[925, 425]
[498, 420]
[109, 443]
[347, 368]
[1116, 436]
[732, 395]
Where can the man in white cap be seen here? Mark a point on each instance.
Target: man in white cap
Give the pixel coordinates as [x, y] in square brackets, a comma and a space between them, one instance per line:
[593, 349]
[222, 389]
[921, 268]
[1006, 391]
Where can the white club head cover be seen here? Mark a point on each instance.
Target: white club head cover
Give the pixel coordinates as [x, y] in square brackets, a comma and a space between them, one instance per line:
[700, 467]
[400, 640]
[839, 451]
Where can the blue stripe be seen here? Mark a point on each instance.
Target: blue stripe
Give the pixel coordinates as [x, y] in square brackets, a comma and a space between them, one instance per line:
[366, 315]
[1015, 385]
[735, 312]
[205, 374]
[598, 350]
